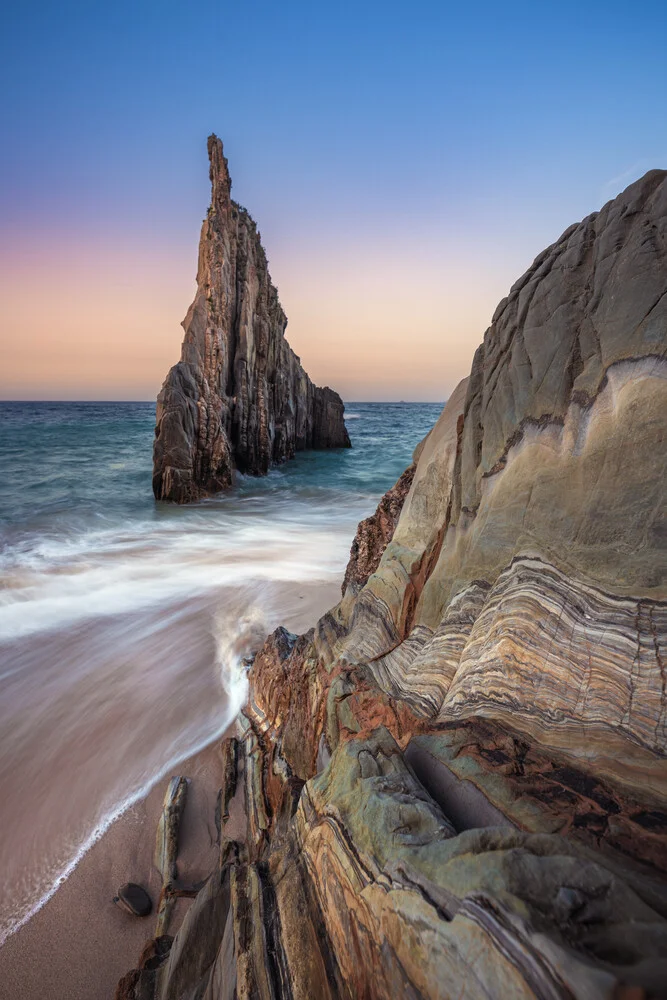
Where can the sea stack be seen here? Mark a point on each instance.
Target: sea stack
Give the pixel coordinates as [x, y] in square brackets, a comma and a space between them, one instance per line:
[455, 785]
[238, 398]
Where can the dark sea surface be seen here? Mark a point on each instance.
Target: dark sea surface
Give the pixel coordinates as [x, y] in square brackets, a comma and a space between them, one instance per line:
[123, 622]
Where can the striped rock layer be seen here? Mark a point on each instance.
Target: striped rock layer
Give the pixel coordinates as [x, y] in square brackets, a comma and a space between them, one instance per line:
[238, 398]
[455, 785]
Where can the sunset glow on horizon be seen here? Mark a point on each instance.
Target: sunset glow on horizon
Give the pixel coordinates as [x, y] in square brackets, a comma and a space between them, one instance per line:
[396, 207]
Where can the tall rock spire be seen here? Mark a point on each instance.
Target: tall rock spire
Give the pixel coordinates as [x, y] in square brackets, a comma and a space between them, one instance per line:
[238, 398]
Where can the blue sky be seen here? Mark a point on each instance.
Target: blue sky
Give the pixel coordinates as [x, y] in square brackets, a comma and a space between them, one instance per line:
[411, 141]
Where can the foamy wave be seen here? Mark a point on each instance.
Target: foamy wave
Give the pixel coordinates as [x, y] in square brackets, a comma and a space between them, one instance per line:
[233, 646]
[53, 581]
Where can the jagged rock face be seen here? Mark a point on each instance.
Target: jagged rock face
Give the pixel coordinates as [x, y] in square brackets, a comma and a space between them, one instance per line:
[238, 398]
[374, 534]
[455, 785]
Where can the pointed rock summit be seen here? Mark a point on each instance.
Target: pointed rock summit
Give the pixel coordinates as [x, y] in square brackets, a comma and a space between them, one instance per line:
[238, 398]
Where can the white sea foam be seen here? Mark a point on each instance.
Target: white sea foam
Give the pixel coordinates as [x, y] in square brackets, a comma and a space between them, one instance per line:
[54, 581]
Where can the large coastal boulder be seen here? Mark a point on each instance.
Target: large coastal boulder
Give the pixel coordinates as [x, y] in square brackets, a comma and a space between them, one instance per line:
[543, 601]
[238, 398]
[455, 785]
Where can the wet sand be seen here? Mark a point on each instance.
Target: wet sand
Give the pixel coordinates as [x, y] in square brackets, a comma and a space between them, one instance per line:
[79, 944]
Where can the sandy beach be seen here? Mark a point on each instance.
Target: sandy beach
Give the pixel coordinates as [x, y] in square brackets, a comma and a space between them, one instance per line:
[79, 944]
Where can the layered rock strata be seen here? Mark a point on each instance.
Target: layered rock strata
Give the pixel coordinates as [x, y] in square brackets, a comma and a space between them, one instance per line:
[238, 398]
[455, 785]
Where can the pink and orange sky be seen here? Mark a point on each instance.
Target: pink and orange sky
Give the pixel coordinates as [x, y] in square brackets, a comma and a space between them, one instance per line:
[404, 170]
[101, 320]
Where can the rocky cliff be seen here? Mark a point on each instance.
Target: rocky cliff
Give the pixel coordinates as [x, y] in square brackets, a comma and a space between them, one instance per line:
[455, 785]
[238, 398]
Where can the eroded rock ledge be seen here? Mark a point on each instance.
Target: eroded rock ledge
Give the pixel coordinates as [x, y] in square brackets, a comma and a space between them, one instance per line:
[455, 785]
[238, 398]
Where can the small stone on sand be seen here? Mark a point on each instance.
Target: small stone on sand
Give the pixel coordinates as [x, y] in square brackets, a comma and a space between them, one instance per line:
[134, 899]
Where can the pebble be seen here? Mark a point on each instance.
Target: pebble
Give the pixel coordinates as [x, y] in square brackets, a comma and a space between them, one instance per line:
[134, 899]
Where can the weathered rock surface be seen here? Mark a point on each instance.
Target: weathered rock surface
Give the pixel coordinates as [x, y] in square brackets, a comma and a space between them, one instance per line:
[455, 785]
[238, 398]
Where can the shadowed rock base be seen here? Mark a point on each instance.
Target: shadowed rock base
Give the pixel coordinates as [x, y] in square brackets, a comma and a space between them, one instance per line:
[455, 785]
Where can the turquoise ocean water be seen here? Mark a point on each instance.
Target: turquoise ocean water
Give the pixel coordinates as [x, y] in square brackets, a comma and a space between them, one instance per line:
[123, 621]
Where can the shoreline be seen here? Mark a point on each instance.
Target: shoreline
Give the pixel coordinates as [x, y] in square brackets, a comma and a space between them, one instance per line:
[78, 944]
[114, 817]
